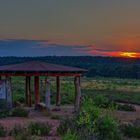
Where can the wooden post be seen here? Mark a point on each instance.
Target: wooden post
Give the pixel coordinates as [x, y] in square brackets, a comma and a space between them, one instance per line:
[42, 88]
[8, 92]
[58, 91]
[77, 93]
[47, 97]
[28, 91]
[36, 89]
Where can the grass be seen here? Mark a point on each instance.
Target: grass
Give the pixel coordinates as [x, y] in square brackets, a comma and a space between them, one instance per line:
[2, 131]
[39, 129]
[29, 132]
[113, 89]
[122, 90]
[131, 131]
[20, 112]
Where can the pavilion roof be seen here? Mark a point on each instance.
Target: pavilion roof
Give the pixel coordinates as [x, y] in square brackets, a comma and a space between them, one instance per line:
[39, 66]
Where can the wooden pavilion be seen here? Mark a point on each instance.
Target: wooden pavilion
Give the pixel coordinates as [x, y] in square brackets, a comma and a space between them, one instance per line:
[37, 68]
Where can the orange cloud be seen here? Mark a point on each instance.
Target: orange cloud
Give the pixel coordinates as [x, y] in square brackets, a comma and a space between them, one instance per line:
[114, 53]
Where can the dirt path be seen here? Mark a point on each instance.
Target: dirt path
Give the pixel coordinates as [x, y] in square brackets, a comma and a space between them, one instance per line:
[128, 116]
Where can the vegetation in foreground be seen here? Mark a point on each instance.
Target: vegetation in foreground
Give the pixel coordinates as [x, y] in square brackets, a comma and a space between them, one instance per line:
[95, 120]
[31, 131]
[92, 122]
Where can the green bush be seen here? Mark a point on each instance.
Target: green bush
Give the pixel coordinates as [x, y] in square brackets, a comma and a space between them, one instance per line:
[126, 107]
[3, 104]
[4, 113]
[2, 131]
[91, 123]
[103, 102]
[83, 122]
[69, 136]
[39, 129]
[20, 112]
[131, 130]
[65, 124]
[22, 133]
[107, 128]
[18, 97]
[55, 117]
[17, 130]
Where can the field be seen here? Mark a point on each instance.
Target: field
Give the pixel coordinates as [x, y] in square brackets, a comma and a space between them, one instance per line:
[101, 94]
[121, 90]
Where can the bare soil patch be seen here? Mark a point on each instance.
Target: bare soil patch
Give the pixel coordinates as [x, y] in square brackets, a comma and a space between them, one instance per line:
[36, 116]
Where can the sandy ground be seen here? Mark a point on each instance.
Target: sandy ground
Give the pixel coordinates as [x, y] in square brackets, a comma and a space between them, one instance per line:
[35, 116]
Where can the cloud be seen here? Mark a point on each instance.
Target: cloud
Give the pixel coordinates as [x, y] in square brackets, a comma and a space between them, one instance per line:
[26, 47]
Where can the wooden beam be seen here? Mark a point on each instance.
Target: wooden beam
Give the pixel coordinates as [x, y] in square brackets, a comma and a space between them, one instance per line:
[28, 95]
[58, 98]
[77, 93]
[36, 90]
[41, 74]
[48, 100]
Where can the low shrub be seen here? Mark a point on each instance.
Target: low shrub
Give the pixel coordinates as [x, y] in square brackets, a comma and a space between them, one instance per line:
[2, 131]
[126, 107]
[4, 113]
[136, 122]
[55, 117]
[3, 104]
[91, 123]
[65, 124]
[20, 112]
[17, 130]
[131, 130]
[18, 97]
[70, 136]
[39, 129]
[107, 128]
[22, 133]
[103, 102]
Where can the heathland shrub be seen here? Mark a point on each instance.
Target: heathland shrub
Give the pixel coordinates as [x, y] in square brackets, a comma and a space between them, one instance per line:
[22, 133]
[39, 129]
[107, 128]
[103, 102]
[70, 136]
[4, 113]
[3, 104]
[126, 107]
[17, 130]
[65, 124]
[131, 130]
[91, 123]
[2, 131]
[20, 112]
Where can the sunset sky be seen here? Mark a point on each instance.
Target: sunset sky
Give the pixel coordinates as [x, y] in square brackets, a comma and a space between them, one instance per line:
[70, 27]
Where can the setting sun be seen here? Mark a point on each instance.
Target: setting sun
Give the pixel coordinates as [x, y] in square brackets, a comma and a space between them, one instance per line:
[130, 54]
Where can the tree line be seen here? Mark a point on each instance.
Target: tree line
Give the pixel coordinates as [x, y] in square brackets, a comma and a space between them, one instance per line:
[96, 66]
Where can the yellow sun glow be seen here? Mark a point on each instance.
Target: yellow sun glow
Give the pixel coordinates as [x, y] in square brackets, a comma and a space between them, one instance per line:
[130, 54]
